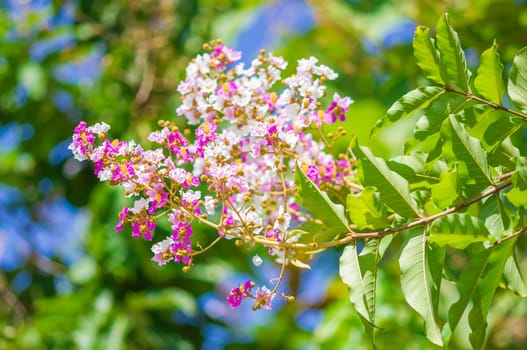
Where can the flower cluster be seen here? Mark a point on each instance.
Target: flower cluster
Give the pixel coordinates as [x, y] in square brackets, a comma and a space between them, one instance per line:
[262, 297]
[234, 171]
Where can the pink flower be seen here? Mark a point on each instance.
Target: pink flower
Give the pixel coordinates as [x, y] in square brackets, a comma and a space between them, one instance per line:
[264, 298]
[239, 293]
[337, 108]
[143, 228]
[122, 218]
[312, 173]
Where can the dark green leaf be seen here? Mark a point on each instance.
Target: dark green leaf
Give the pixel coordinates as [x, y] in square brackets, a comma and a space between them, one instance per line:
[500, 129]
[394, 189]
[452, 56]
[321, 207]
[517, 86]
[426, 55]
[421, 265]
[489, 80]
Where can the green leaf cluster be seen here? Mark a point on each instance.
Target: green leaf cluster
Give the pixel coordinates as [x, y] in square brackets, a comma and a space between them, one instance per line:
[458, 189]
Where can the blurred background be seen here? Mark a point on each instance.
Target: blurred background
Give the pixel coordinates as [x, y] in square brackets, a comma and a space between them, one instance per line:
[69, 281]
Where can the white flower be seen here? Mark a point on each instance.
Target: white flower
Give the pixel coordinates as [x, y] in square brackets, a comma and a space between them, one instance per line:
[100, 128]
[209, 205]
[191, 196]
[162, 246]
[139, 205]
[282, 221]
[159, 249]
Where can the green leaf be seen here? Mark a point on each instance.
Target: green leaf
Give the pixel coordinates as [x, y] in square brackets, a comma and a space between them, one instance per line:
[426, 55]
[493, 212]
[468, 282]
[489, 80]
[394, 189]
[500, 129]
[413, 168]
[517, 197]
[431, 121]
[367, 211]
[519, 178]
[453, 61]
[469, 150]
[421, 264]
[458, 230]
[486, 288]
[407, 104]
[447, 191]
[513, 278]
[517, 85]
[319, 205]
[518, 194]
[359, 272]
[505, 154]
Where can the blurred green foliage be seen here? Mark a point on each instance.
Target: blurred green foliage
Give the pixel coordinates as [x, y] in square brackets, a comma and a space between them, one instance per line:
[117, 298]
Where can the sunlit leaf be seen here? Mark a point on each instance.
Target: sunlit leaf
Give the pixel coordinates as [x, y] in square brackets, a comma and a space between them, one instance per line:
[447, 191]
[513, 278]
[468, 282]
[518, 194]
[321, 207]
[393, 188]
[408, 104]
[426, 55]
[421, 266]
[517, 85]
[367, 211]
[489, 80]
[432, 119]
[452, 56]
[359, 272]
[495, 216]
[486, 288]
[458, 230]
[470, 151]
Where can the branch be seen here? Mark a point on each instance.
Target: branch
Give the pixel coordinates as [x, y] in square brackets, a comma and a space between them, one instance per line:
[352, 236]
[488, 103]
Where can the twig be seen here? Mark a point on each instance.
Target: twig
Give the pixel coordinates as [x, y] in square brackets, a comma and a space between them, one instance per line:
[488, 103]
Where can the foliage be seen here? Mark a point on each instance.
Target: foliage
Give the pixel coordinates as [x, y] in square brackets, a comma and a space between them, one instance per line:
[443, 214]
[272, 139]
[108, 294]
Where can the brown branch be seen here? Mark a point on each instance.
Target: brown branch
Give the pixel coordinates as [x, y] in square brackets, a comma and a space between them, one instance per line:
[352, 236]
[488, 103]
[512, 235]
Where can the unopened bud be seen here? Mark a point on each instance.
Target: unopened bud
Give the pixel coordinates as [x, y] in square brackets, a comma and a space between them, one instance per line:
[257, 261]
